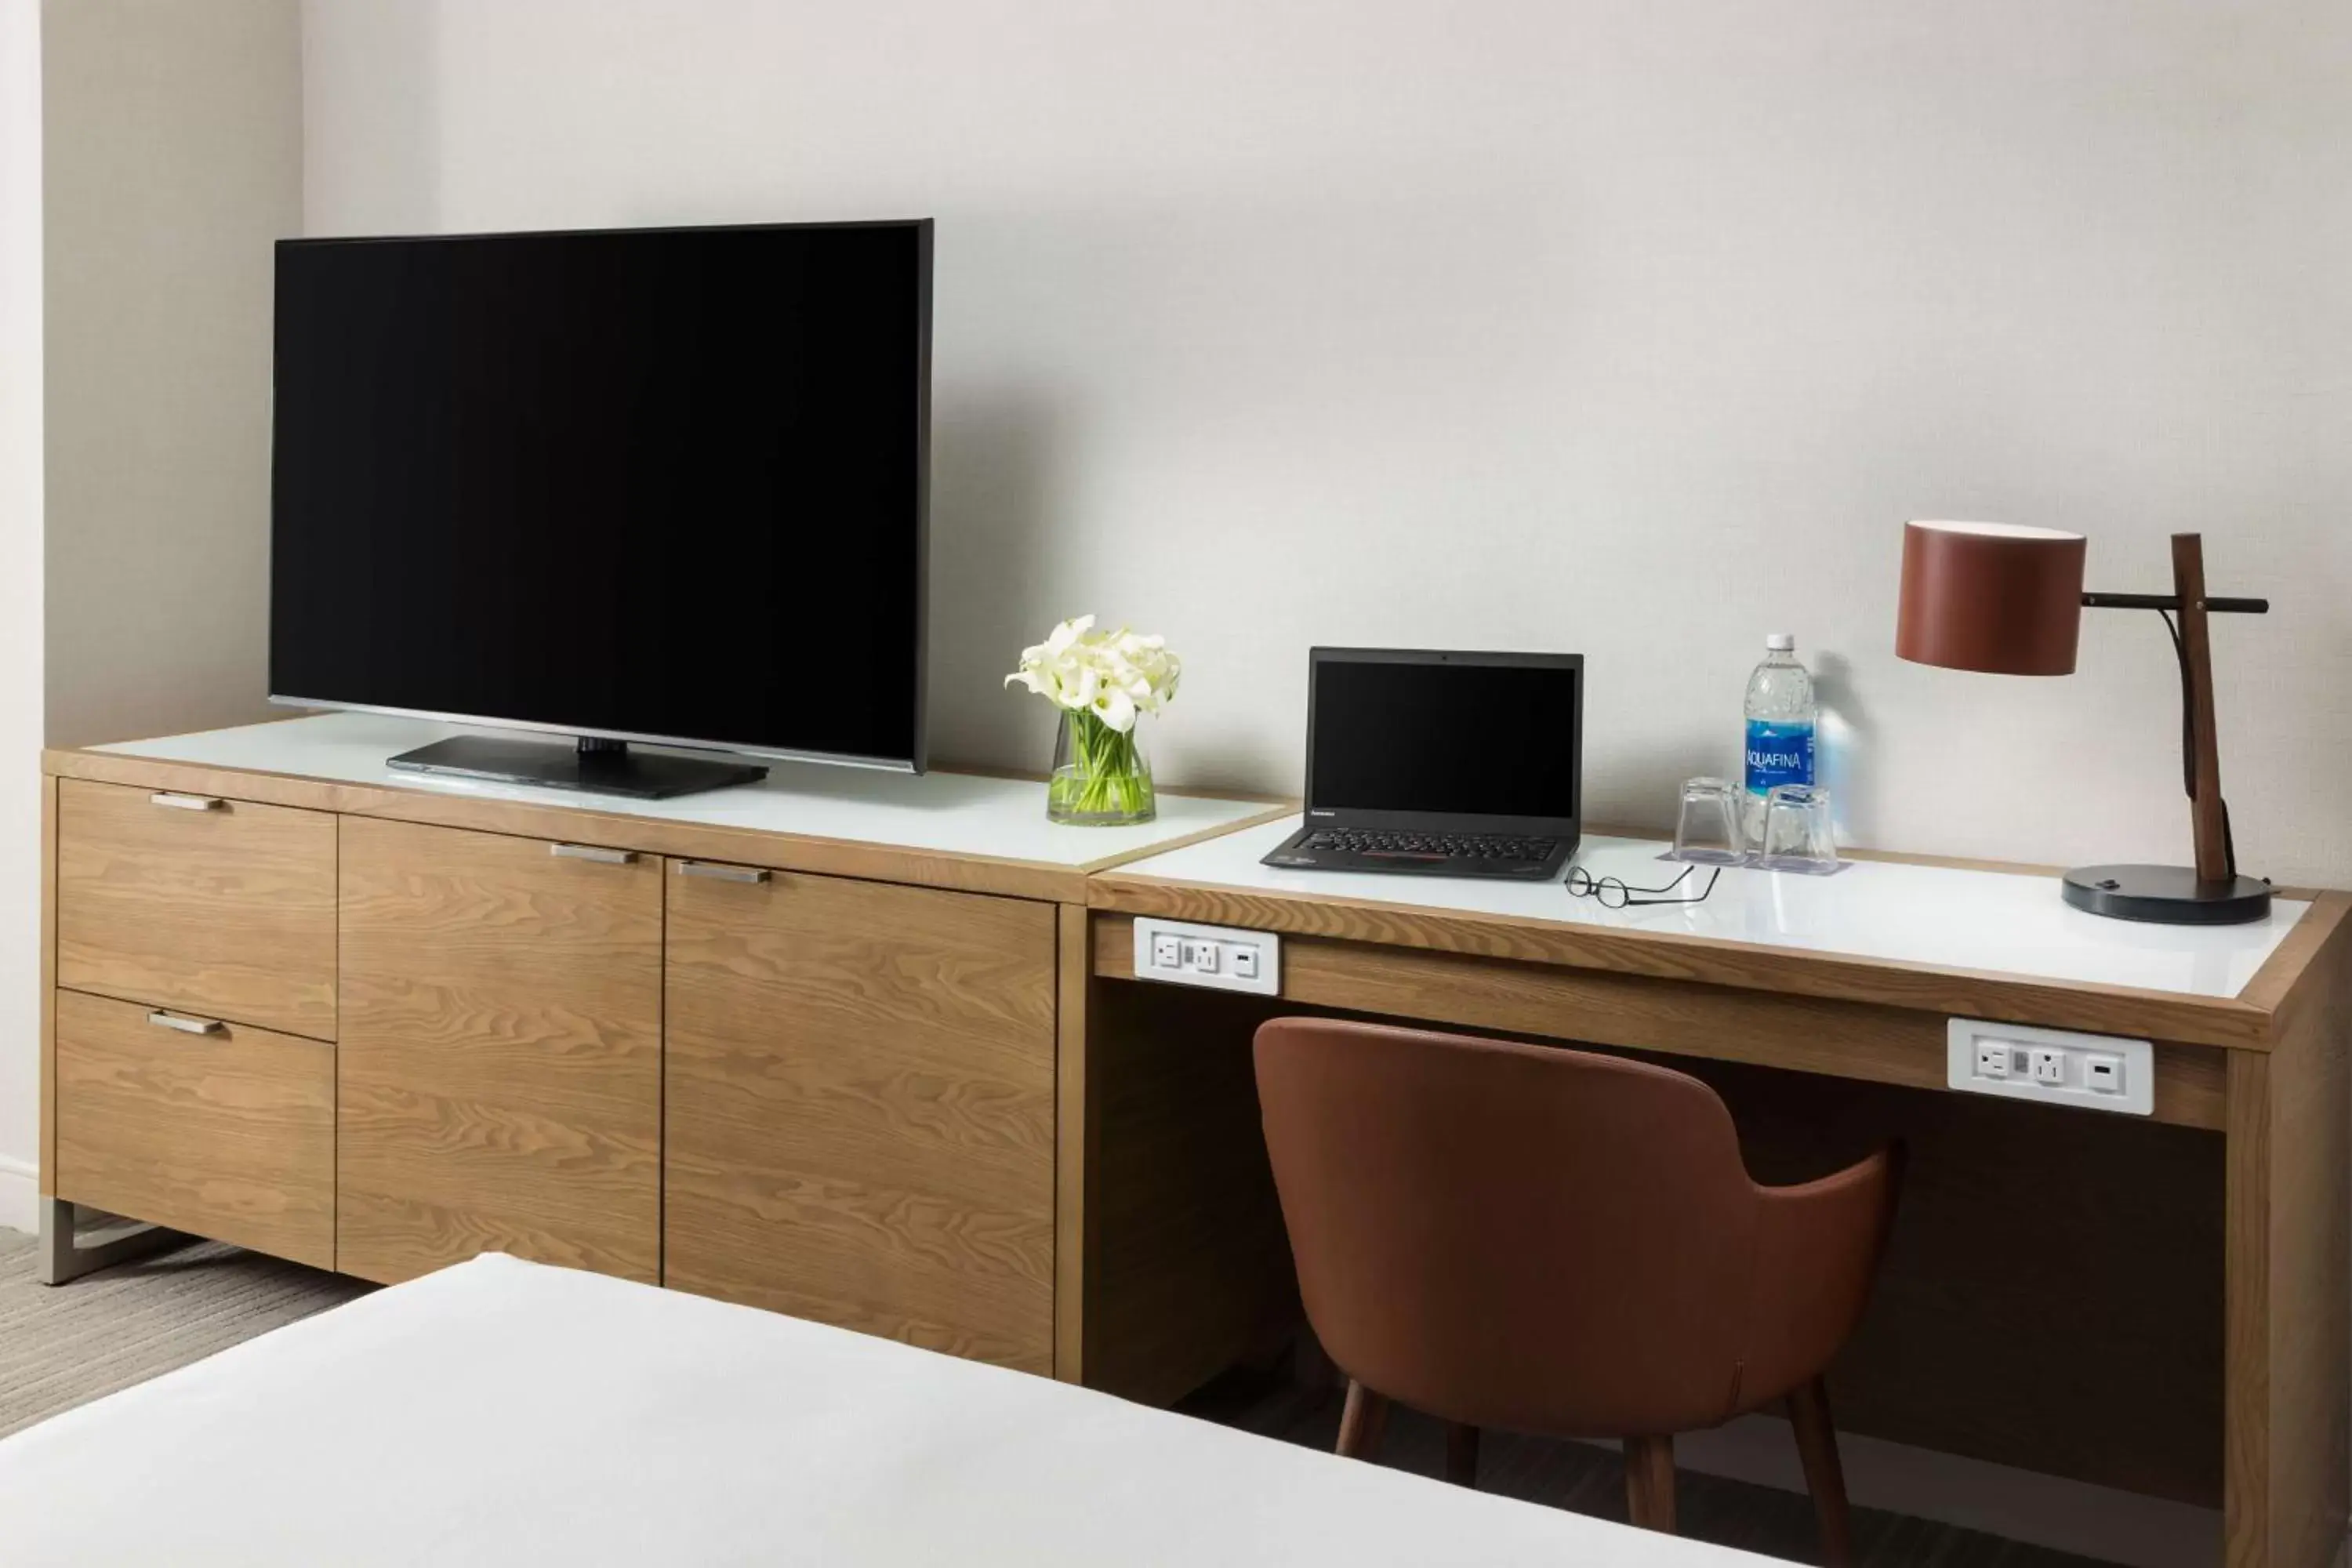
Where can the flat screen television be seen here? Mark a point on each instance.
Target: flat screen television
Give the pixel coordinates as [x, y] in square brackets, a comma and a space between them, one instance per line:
[640, 485]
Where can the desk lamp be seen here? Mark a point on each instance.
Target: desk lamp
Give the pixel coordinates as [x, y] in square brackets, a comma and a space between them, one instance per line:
[2007, 600]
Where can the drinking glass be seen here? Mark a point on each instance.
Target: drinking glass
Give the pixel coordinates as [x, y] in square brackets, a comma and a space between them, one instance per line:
[1706, 829]
[1798, 836]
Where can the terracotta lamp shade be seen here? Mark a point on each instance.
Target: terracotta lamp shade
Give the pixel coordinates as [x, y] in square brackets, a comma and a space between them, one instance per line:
[1990, 596]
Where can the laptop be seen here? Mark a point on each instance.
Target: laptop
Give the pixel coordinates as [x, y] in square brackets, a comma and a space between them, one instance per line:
[1441, 764]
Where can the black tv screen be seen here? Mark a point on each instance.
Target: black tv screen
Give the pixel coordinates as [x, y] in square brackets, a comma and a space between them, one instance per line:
[658, 485]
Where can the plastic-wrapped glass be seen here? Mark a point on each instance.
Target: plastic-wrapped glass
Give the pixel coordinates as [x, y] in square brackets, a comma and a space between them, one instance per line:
[1797, 834]
[1706, 829]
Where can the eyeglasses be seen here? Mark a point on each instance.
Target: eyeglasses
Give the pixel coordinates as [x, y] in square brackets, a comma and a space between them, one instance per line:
[1613, 894]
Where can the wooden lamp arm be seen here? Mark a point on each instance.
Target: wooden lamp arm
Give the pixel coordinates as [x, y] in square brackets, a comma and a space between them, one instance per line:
[2200, 753]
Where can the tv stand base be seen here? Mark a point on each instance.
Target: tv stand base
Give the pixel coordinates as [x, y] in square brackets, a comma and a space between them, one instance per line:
[594, 766]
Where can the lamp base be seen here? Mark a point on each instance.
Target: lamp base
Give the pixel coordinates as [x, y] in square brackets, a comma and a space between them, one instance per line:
[2166, 895]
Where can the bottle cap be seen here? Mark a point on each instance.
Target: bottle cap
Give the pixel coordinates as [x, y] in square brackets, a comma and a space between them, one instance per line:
[1781, 642]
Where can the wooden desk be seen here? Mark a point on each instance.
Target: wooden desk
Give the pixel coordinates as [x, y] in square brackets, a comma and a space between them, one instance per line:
[2157, 1304]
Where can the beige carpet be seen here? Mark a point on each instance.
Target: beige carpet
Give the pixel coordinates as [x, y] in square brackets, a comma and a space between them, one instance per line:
[68, 1345]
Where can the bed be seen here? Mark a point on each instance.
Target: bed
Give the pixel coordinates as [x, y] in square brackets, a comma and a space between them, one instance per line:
[505, 1412]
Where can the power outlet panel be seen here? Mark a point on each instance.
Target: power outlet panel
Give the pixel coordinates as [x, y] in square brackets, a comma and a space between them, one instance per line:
[1215, 956]
[2095, 1072]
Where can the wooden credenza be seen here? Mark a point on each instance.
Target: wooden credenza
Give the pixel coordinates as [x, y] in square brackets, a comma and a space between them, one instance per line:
[305, 1006]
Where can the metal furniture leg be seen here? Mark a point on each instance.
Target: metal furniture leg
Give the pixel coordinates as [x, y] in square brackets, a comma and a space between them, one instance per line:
[60, 1259]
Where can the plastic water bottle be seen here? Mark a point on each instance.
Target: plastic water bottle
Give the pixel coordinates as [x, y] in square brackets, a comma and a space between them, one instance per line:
[1781, 713]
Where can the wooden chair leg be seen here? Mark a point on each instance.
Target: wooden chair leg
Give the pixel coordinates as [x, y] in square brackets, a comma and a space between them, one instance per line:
[1362, 1421]
[1650, 1483]
[1809, 1412]
[1462, 1454]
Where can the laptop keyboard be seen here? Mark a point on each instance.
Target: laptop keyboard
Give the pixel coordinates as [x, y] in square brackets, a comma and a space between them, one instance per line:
[1431, 846]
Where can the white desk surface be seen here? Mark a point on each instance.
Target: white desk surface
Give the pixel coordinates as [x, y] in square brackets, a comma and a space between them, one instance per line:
[964, 814]
[1943, 917]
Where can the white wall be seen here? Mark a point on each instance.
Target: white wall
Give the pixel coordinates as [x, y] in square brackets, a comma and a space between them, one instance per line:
[173, 160]
[20, 605]
[1635, 329]
[150, 152]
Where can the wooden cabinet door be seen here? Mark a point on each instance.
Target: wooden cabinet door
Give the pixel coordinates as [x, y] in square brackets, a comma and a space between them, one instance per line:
[500, 1069]
[219, 1128]
[222, 908]
[859, 1122]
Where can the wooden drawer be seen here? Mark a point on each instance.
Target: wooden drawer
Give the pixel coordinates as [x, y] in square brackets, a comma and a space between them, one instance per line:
[501, 1062]
[229, 1134]
[859, 1108]
[227, 911]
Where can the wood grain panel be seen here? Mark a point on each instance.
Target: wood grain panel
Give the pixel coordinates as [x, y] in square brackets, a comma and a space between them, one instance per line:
[2249, 1378]
[1846, 1039]
[1665, 955]
[1188, 1265]
[47, 1178]
[2294, 975]
[229, 913]
[749, 847]
[1074, 1139]
[500, 1083]
[860, 1116]
[2289, 1339]
[230, 1134]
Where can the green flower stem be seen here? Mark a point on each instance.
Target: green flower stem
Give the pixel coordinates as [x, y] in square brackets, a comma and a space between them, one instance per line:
[1111, 778]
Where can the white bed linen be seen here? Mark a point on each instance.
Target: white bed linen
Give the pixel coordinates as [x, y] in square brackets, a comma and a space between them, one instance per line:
[503, 1412]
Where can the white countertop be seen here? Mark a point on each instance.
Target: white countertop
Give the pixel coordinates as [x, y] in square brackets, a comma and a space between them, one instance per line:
[964, 814]
[1943, 917]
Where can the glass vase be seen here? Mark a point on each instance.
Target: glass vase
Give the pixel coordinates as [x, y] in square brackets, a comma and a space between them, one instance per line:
[1101, 778]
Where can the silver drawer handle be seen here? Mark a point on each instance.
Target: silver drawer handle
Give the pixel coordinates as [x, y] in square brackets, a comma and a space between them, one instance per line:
[188, 1026]
[189, 801]
[719, 871]
[596, 852]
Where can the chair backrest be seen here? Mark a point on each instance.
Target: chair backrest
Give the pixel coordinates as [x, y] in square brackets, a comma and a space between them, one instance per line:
[1522, 1236]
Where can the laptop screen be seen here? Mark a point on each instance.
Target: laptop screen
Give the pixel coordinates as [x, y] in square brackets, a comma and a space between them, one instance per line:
[1471, 734]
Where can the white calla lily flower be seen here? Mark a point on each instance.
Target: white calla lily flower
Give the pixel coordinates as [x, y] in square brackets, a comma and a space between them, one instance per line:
[1110, 676]
[1115, 709]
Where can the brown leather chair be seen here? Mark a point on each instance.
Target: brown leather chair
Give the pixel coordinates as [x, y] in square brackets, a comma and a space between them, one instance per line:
[1560, 1243]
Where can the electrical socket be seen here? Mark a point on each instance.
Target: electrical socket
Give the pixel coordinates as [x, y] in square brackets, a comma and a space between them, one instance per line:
[1215, 956]
[2096, 1072]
